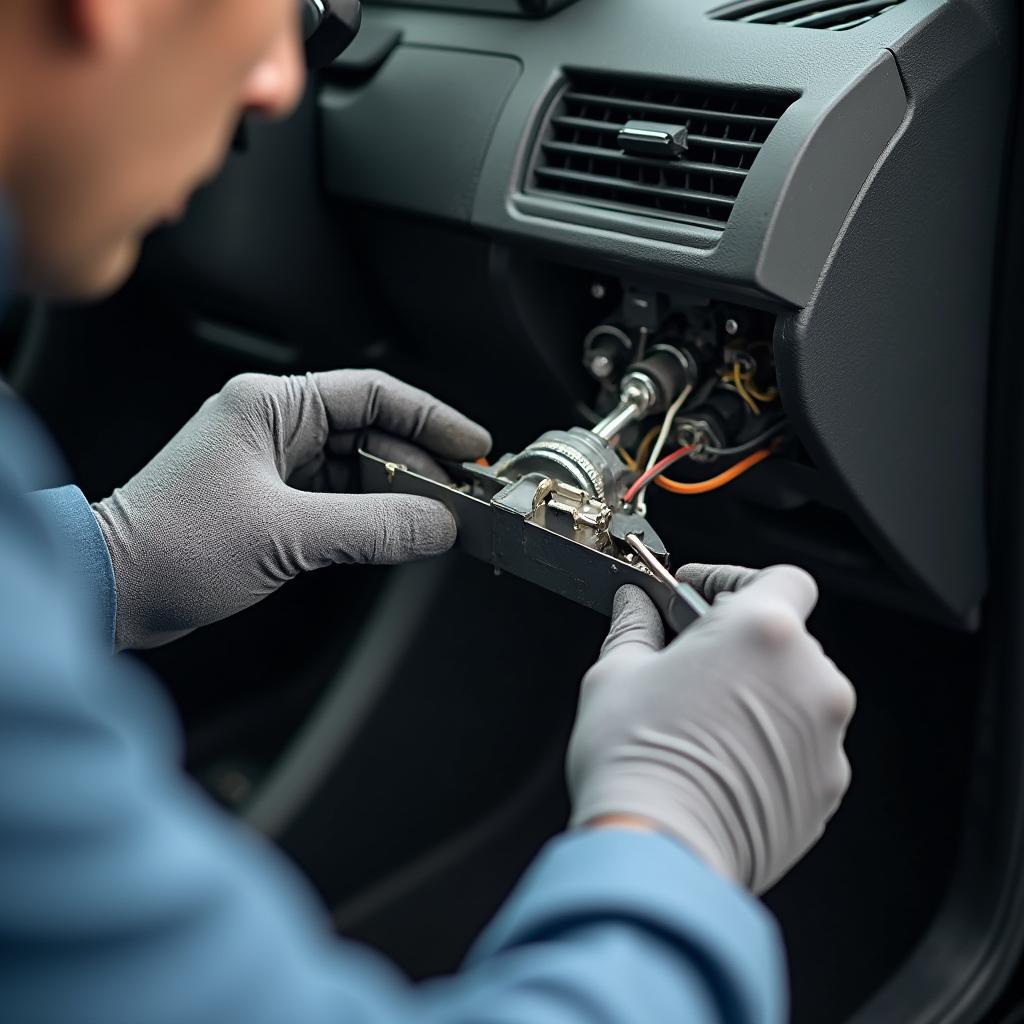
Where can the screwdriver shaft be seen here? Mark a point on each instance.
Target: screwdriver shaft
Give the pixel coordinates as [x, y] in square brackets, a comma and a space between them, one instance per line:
[682, 590]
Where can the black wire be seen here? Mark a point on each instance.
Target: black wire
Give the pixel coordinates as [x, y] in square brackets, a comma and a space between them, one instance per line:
[756, 442]
[703, 393]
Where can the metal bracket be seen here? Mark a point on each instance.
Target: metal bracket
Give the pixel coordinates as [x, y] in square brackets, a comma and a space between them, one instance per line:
[503, 523]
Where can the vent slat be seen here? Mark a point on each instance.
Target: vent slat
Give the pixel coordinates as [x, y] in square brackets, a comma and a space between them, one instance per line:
[765, 11]
[577, 157]
[597, 152]
[836, 16]
[676, 112]
[788, 13]
[635, 187]
[608, 203]
[741, 10]
[830, 15]
[607, 128]
[851, 24]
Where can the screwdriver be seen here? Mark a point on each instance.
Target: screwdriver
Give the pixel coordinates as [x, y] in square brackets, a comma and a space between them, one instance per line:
[682, 590]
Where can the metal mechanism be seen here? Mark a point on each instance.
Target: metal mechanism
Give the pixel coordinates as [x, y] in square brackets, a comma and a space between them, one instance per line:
[579, 457]
[553, 514]
[657, 569]
[544, 531]
[636, 399]
[649, 386]
[571, 512]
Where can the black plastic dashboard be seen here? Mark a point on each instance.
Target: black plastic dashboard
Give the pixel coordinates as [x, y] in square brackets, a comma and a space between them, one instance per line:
[866, 222]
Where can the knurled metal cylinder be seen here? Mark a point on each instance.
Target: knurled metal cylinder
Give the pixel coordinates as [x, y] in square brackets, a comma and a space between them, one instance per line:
[577, 457]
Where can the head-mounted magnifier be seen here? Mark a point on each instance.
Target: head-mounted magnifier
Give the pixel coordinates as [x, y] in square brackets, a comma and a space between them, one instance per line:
[328, 26]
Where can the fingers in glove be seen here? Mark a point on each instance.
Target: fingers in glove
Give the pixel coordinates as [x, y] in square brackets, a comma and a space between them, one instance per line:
[711, 580]
[636, 626]
[311, 475]
[780, 588]
[282, 417]
[339, 474]
[377, 529]
[358, 399]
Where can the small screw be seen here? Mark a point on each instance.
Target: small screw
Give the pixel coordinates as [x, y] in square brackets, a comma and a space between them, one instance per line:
[731, 327]
[601, 366]
[598, 290]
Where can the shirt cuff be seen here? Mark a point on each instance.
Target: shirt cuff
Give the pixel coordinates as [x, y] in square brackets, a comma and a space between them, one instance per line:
[653, 882]
[84, 548]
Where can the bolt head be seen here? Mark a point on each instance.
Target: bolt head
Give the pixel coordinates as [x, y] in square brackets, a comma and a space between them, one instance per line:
[598, 290]
[731, 327]
[601, 366]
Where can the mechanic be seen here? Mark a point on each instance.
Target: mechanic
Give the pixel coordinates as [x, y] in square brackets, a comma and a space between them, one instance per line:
[699, 772]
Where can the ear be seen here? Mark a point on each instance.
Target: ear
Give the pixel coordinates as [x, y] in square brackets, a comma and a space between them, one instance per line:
[107, 26]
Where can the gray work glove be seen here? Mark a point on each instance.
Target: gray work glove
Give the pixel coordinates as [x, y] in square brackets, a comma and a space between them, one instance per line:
[730, 738]
[249, 493]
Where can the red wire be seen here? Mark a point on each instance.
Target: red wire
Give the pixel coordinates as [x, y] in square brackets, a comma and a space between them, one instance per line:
[655, 470]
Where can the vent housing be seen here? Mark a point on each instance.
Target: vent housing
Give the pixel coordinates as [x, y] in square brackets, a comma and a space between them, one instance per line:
[578, 158]
[834, 15]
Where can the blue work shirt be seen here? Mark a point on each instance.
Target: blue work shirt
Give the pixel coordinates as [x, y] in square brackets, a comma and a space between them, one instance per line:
[127, 897]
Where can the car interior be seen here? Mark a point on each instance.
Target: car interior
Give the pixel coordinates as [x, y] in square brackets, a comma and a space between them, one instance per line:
[815, 205]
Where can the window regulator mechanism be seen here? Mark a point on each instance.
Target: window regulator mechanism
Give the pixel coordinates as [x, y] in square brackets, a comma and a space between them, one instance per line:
[553, 514]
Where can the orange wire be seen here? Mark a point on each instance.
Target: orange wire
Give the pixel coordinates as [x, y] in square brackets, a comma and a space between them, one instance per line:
[675, 487]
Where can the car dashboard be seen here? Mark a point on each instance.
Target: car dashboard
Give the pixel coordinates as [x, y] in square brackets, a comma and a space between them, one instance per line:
[834, 204]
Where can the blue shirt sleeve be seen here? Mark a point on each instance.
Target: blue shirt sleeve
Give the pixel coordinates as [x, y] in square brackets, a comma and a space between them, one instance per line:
[76, 532]
[126, 897]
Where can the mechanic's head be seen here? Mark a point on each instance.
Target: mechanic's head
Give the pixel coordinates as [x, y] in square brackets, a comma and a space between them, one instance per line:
[113, 111]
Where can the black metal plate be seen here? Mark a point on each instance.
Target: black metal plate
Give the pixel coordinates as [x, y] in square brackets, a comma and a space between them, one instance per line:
[495, 533]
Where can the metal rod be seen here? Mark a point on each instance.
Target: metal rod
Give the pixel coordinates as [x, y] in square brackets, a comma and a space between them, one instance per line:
[616, 421]
[644, 553]
[682, 590]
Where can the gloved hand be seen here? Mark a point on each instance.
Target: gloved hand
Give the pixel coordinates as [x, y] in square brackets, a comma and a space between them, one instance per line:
[731, 738]
[245, 496]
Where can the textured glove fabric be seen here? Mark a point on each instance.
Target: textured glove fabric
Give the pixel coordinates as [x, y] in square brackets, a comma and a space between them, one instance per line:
[251, 492]
[713, 581]
[731, 738]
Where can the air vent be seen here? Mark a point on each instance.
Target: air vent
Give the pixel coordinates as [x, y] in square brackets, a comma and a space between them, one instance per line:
[579, 156]
[834, 15]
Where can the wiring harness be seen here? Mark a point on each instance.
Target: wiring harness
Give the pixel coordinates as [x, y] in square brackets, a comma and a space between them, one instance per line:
[737, 375]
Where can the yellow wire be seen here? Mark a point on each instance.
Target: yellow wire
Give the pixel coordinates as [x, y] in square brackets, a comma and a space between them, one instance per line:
[762, 396]
[737, 380]
[746, 391]
[743, 388]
